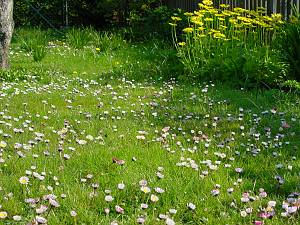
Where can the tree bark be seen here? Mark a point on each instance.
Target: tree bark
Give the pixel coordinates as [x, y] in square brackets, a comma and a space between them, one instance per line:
[6, 31]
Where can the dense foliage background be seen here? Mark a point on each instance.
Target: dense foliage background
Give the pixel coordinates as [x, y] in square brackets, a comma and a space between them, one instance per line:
[81, 12]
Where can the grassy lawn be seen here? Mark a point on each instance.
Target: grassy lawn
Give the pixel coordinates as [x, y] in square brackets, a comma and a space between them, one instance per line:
[100, 138]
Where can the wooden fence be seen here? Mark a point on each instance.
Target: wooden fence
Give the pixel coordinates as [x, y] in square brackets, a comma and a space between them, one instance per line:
[273, 6]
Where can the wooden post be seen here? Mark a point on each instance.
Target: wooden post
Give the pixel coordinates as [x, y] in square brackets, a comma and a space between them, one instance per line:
[6, 31]
[67, 14]
[283, 8]
[289, 8]
[278, 5]
[269, 7]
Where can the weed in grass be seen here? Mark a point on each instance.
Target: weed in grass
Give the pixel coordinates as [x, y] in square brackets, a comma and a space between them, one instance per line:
[39, 52]
[78, 38]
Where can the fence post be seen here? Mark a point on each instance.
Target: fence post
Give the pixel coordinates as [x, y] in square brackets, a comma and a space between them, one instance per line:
[289, 8]
[269, 7]
[67, 14]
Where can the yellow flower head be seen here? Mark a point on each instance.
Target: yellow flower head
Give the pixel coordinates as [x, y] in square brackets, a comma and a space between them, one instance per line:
[188, 30]
[188, 14]
[3, 144]
[3, 215]
[201, 35]
[207, 2]
[224, 6]
[208, 19]
[219, 35]
[176, 18]
[24, 180]
[145, 189]
[182, 44]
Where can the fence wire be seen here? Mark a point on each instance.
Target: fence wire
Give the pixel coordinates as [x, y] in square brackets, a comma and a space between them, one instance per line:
[285, 7]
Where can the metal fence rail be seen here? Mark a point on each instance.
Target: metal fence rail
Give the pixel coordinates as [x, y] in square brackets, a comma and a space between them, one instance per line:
[273, 6]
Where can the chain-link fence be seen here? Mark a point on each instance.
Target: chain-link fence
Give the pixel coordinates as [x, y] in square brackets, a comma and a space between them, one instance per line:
[63, 13]
[285, 7]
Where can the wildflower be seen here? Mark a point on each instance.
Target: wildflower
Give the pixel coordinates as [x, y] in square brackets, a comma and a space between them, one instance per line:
[140, 220]
[224, 6]
[230, 190]
[249, 210]
[160, 175]
[188, 14]
[215, 192]
[53, 203]
[42, 209]
[265, 215]
[188, 30]
[191, 206]
[81, 142]
[145, 189]
[208, 19]
[169, 221]
[73, 213]
[207, 2]
[245, 198]
[106, 210]
[17, 218]
[238, 170]
[3, 215]
[182, 43]
[243, 213]
[108, 198]
[159, 190]
[98, 49]
[119, 209]
[24, 180]
[3, 144]
[162, 216]
[118, 161]
[121, 186]
[41, 220]
[176, 18]
[154, 198]
[144, 206]
[219, 35]
[272, 204]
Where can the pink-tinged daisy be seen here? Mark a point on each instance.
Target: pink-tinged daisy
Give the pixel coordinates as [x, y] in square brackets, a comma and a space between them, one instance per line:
[191, 206]
[119, 209]
[24, 180]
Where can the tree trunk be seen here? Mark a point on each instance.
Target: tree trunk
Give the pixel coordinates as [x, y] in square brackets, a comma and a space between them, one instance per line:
[6, 30]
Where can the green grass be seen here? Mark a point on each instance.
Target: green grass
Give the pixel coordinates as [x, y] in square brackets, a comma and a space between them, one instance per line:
[92, 93]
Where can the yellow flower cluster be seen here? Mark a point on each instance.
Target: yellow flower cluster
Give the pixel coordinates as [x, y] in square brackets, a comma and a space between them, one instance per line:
[228, 23]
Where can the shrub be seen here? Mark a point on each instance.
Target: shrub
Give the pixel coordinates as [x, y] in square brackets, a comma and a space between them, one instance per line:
[150, 22]
[289, 45]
